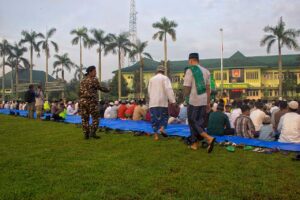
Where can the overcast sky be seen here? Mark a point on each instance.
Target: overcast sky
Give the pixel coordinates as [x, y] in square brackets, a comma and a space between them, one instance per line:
[198, 21]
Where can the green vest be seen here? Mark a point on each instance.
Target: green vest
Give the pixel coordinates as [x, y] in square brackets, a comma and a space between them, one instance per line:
[63, 114]
[46, 106]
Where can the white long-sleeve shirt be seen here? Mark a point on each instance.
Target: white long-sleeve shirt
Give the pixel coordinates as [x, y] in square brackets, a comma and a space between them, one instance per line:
[289, 128]
[70, 110]
[107, 112]
[257, 116]
[160, 91]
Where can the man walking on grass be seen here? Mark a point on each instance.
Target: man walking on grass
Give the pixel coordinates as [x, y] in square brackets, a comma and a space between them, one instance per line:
[160, 92]
[197, 95]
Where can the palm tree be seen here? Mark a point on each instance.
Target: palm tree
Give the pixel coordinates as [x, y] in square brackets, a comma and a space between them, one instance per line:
[4, 51]
[16, 58]
[101, 40]
[65, 62]
[56, 71]
[165, 27]
[30, 38]
[45, 43]
[283, 37]
[139, 50]
[81, 35]
[119, 44]
[77, 72]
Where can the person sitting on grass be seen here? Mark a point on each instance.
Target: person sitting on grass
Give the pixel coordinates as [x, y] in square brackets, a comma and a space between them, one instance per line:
[218, 122]
[107, 112]
[257, 116]
[122, 109]
[71, 109]
[139, 113]
[266, 131]
[129, 111]
[244, 126]
[114, 110]
[54, 107]
[61, 113]
[46, 107]
[289, 124]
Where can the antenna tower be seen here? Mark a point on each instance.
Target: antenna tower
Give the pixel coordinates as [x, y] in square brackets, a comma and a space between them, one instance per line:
[132, 27]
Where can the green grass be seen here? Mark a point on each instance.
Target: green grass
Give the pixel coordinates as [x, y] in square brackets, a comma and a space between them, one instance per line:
[47, 160]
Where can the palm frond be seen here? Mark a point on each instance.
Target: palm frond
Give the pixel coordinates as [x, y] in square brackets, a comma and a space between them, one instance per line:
[266, 39]
[147, 55]
[50, 32]
[55, 46]
[75, 41]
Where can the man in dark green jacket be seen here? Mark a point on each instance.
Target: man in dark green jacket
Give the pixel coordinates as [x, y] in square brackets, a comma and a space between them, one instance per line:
[218, 122]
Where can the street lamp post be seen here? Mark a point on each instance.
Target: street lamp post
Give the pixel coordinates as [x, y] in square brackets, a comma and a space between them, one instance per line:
[221, 30]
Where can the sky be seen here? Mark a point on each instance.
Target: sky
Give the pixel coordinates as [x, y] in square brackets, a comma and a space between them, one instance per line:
[199, 23]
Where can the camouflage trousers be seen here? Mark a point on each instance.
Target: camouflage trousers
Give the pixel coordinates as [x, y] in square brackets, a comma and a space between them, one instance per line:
[87, 108]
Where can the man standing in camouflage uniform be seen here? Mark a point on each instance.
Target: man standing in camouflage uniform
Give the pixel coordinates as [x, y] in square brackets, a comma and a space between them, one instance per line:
[89, 103]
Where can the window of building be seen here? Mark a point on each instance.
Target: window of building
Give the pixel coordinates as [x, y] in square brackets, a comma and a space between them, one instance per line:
[252, 75]
[252, 93]
[268, 76]
[218, 76]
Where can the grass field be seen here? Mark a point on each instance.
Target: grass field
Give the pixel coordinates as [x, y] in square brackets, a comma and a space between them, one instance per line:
[47, 160]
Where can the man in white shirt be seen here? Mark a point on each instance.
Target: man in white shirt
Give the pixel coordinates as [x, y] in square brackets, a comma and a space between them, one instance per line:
[235, 112]
[289, 124]
[160, 93]
[257, 116]
[197, 93]
[70, 109]
[107, 112]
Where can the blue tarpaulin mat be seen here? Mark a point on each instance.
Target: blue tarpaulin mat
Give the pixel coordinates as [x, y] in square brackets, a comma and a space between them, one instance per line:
[180, 130]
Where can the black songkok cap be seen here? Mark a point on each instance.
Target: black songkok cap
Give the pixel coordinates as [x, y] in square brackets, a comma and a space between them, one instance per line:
[89, 69]
[194, 56]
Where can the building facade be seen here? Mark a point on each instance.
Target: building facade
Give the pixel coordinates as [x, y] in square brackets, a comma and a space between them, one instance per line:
[243, 77]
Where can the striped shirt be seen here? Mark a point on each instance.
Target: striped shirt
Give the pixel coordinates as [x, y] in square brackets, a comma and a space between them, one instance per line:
[244, 126]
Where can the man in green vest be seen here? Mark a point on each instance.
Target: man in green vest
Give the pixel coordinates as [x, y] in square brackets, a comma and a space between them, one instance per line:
[197, 95]
[46, 106]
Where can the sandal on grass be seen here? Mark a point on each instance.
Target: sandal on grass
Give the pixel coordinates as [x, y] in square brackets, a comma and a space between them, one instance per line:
[163, 133]
[230, 148]
[211, 146]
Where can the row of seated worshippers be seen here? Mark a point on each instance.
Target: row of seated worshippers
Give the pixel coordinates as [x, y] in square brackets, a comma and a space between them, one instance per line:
[133, 110]
[260, 121]
[138, 110]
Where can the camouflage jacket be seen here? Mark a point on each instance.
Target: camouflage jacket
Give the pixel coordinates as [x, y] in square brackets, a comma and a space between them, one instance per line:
[88, 88]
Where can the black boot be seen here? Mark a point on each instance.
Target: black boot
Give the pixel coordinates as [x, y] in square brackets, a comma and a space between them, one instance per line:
[86, 135]
[93, 134]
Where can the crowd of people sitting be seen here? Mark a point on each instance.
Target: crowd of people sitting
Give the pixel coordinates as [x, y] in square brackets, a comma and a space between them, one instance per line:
[269, 121]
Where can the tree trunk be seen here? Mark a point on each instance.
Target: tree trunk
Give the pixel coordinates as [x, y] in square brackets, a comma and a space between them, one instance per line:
[165, 51]
[141, 76]
[62, 73]
[99, 69]
[80, 60]
[46, 75]
[280, 70]
[3, 80]
[17, 77]
[12, 80]
[63, 78]
[119, 75]
[31, 63]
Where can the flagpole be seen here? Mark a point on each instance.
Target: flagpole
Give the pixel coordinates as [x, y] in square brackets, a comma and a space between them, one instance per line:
[222, 81]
